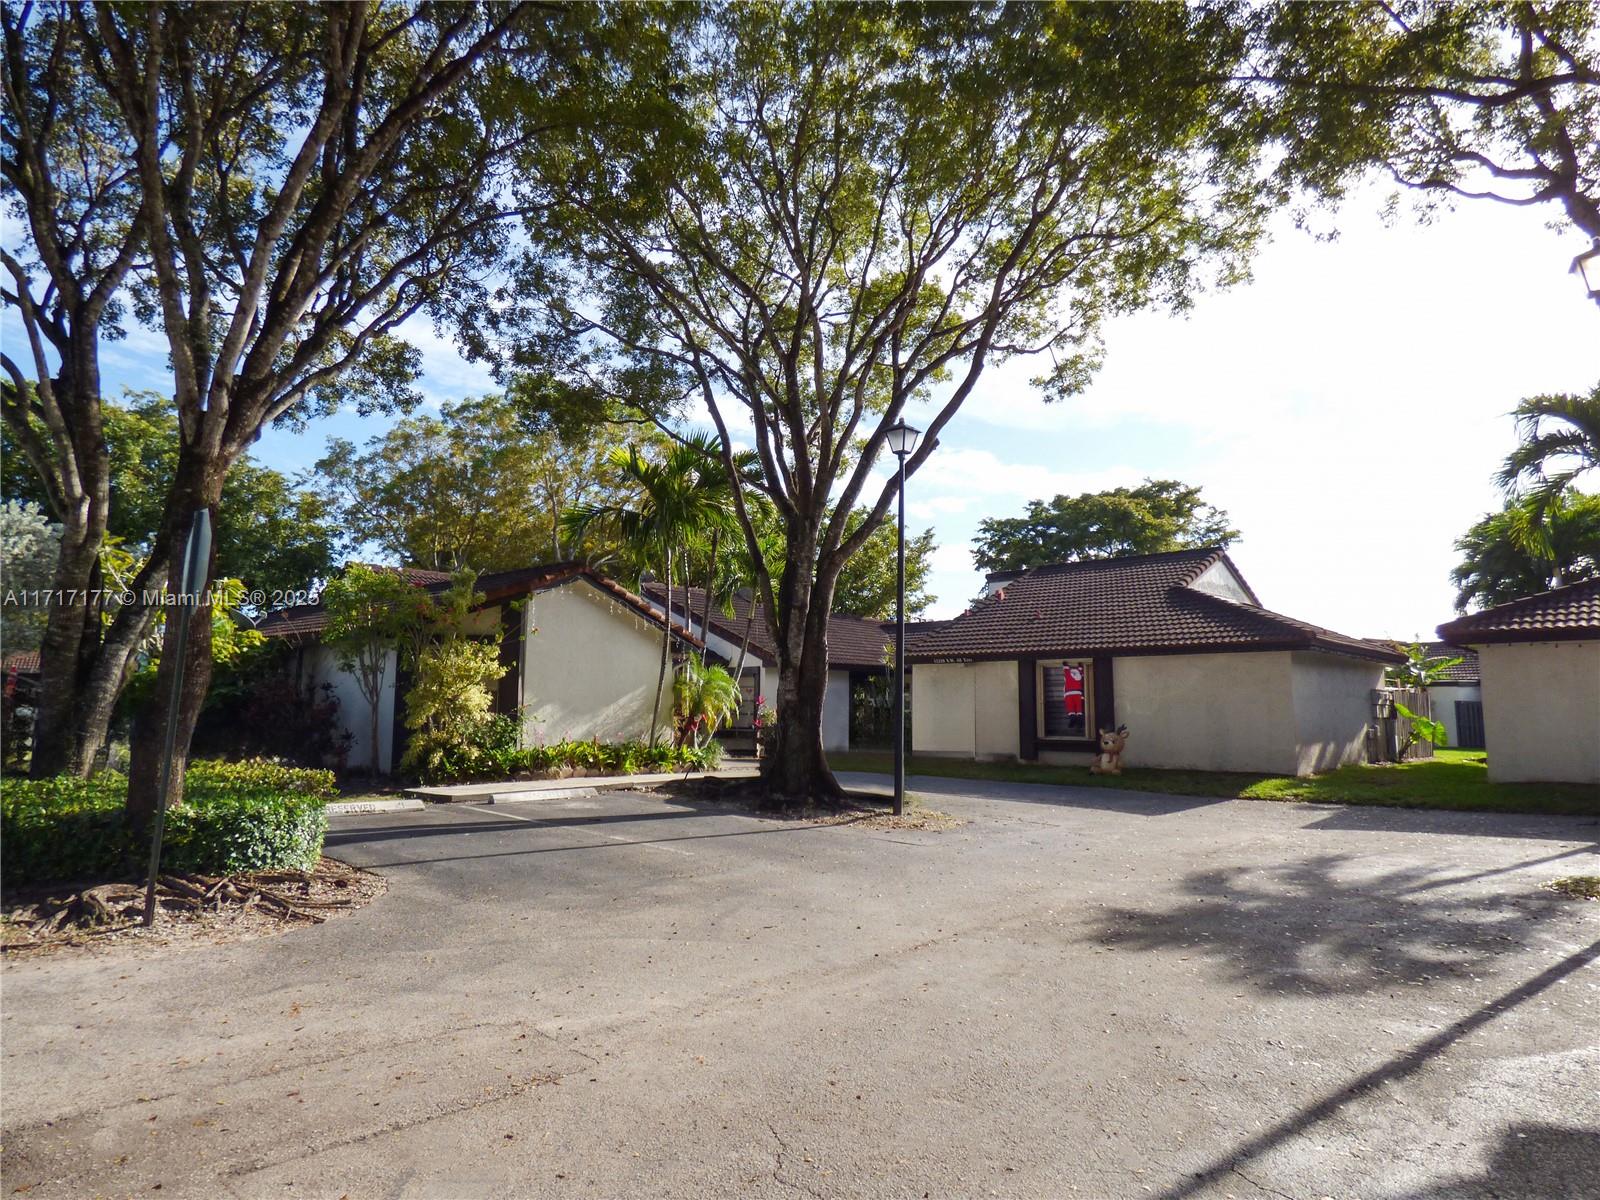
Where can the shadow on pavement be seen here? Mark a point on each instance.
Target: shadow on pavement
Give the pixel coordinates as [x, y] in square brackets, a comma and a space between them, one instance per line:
[1056, 795]
[1530, 1160]
[1577, 1151]
[1379, 819]
[1329, 925]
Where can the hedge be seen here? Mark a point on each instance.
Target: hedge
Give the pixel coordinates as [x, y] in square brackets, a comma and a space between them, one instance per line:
[241, 816]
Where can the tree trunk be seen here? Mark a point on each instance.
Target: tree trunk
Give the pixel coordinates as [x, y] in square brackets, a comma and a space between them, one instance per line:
[377, 726]
[797, 771]
[666, 654]
[198, 484]
[711, 581]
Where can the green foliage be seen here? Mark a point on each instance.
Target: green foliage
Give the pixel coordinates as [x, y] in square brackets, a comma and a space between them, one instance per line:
[480, 485]
[1559, 441]
[268, 533]
[1422, 729]
[705, 698]
[29, 545]
[1496, 565]
[241, 816]
[1468, 99]
[448, 708]
[492, 753]
[866, 585]
[1158, 515]
[1419, 670]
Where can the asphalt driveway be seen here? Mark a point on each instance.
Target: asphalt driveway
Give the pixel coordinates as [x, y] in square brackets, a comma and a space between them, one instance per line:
[1073, 993]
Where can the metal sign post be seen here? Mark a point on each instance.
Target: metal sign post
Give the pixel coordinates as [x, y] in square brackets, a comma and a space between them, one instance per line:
[196, 561]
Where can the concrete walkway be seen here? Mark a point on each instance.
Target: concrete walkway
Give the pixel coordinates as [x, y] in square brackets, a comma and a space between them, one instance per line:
[564, 789]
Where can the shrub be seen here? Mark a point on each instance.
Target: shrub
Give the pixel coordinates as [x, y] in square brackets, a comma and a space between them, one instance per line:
[493, 754]
[240, 816]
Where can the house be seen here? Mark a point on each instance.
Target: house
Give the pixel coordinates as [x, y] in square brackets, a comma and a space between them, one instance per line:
[857, 656]
[582, 655]
[1539, 662]
[1176, 646]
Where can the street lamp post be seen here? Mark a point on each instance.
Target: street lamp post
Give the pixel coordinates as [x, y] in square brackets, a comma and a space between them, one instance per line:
[902, 440]
[1587, 267]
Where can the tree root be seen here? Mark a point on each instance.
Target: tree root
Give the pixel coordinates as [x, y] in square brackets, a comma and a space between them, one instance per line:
[109, 906]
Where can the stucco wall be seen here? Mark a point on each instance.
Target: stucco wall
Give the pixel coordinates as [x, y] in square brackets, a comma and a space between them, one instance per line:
[965, 708]
[1209, 712]
[590, 669]
[943, 699]
[1332, 709]
[1444, 697]
[836, 712]
[322, 666]
[995, 709]
[1541, 710]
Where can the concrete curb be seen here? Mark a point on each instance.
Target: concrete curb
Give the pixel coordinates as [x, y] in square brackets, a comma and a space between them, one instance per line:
[348, 807]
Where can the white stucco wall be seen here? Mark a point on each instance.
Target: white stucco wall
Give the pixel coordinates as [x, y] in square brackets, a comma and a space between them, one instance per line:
[943, 706]
[590, 670]
[321, 666]
[1209, 712]
[965, 708]
[995, 709]
[1444, 697]
[836, 712]
[1541, 710]
[1332, 709]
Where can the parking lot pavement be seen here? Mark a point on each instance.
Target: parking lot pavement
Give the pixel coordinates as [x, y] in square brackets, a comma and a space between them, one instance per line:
[1071, 993]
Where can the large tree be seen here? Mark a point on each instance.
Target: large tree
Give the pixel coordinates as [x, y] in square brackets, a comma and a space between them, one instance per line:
[474, 486]
[1500, 562]
[804, 217]
[1158, 515]
[302, 180]
[1474, 98]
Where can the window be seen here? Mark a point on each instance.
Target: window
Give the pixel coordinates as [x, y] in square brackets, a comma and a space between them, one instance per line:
[1066, 699]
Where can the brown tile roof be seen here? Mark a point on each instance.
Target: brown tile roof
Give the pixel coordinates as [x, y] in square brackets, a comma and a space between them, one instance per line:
[24, 662]
[1568, 613]
[852, 641]
[306, 622]
[1141, 604]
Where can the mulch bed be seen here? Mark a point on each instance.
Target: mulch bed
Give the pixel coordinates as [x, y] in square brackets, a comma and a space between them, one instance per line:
[189, 908]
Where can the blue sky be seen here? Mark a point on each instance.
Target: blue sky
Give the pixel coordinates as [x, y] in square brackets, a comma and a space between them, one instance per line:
[1346, 407]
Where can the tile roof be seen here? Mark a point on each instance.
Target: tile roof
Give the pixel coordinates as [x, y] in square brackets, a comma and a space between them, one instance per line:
[1562, 614]
[24, 662]
[852, 641]
[306, 622]
[1140, 604]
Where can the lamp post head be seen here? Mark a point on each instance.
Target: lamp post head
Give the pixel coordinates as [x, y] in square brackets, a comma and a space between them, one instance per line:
[902, 438]
[1587, 267]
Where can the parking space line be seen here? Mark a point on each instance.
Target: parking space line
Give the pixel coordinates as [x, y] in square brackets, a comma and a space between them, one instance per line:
[582, 832]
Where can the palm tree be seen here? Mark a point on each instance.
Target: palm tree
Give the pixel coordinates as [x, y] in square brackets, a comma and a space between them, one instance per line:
[678, 497]
[704, 698]
[1560, 440]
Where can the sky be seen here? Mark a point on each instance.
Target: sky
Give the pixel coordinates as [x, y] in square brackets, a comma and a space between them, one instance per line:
[1346, 407]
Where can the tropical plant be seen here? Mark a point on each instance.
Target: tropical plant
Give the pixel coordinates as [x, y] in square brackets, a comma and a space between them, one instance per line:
[1497, 565]
[1559, 441]
[449, 708]
[1420, 670]
[29, 545]
[1418, 729]
[705, 698]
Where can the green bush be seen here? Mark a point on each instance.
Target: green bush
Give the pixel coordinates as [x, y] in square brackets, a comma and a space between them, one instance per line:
[242, 816]
[492, 753]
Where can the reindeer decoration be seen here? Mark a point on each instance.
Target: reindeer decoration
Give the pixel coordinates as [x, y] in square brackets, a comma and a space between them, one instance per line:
[1109, 760]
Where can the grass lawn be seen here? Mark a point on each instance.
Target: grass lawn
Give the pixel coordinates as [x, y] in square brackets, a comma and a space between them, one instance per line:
[1454, 779]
